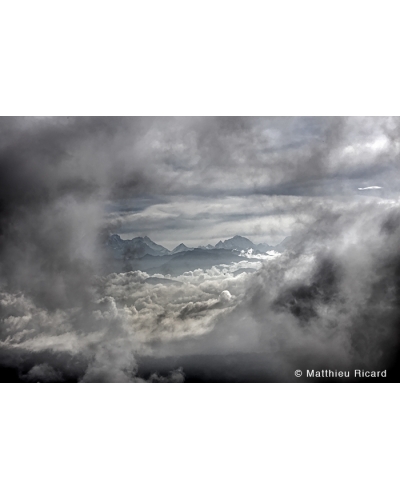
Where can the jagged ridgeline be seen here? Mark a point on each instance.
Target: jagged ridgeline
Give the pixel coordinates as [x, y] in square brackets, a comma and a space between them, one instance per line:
[143, 254]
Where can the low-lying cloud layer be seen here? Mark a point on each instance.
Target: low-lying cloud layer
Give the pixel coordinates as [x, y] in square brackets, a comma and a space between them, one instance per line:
[126, 317]
[331, 299]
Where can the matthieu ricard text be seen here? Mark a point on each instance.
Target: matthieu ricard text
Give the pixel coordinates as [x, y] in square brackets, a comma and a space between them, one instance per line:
[347, 373]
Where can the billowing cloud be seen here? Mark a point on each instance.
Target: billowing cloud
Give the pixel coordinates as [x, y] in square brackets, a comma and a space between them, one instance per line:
[66, 183]
[127, 319]
[331, 301]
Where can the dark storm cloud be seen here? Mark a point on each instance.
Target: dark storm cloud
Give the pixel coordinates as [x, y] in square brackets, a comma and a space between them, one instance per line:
[331, 302]
[66, 181]
[214, 158]
[43, 159]
[56, 175]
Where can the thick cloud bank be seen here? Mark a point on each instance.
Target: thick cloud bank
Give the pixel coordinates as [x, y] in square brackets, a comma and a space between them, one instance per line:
[329, 300]
[127, 316]
[333, 300]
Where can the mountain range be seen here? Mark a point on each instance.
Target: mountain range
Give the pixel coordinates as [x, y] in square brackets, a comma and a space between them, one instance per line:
[135, 248]
[138, 247]
[143, 254]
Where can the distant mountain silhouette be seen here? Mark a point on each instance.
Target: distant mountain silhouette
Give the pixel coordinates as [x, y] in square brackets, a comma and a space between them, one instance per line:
[181, 248]
[143, 254]
[135, 248]
[241, 243]
[235, 243]
[284, 244]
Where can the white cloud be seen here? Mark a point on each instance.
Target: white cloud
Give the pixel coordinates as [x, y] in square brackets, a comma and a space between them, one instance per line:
[125, 321]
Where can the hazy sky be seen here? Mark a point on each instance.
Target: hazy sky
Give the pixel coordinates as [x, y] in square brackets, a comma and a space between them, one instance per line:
[332, 297]
[200, 179]
[258, 177]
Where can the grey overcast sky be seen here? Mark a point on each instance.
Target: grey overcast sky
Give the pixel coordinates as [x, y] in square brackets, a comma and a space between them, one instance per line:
[200, 179]
[65, 181]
